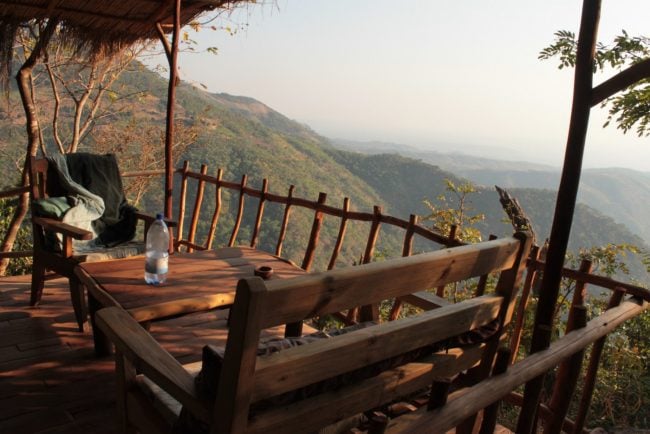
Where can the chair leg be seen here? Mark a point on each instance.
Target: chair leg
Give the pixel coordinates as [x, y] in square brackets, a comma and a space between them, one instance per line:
[78, 302]
[38, 281]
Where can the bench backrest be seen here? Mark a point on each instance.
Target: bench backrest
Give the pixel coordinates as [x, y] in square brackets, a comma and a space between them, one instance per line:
[247, 378]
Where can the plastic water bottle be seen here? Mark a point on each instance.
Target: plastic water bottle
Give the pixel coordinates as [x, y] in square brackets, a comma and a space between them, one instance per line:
[157, 252]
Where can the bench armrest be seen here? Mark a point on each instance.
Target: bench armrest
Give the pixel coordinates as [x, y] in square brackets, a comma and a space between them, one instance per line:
[149, 358]
[54, 225]
[148, 219]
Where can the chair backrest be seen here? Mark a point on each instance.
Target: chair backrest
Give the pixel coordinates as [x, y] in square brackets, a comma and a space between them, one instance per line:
[247, 378]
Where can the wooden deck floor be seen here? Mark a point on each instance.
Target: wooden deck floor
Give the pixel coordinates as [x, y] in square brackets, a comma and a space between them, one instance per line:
[50, 379]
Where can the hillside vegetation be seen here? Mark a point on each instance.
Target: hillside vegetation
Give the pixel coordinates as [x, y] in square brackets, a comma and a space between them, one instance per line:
[244, 136]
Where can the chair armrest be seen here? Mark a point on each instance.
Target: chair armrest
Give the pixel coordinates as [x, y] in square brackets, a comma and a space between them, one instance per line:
[148, 218]
[149, 358]
[63, 228]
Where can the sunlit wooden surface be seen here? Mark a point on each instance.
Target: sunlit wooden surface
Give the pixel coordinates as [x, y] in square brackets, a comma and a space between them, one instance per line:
[50, 379]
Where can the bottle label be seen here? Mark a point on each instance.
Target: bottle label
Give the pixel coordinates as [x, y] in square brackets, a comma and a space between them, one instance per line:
[156, 265]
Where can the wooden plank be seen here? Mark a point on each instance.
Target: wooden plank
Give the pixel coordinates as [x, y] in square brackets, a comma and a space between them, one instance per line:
[472, 399]
[308, 415]
[230, 413]
[317, 361]
[149, 358]
[425, 300]
[338, 290]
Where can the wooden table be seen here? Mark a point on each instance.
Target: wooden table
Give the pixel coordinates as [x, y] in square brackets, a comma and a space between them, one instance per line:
[196, 282]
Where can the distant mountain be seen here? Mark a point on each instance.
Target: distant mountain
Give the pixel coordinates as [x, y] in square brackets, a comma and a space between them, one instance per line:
[622, 194]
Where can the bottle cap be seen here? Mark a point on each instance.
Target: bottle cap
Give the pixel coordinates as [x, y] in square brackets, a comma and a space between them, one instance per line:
[159, 216]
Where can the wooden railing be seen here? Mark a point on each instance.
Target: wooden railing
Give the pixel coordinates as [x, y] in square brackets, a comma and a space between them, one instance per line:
[186, 237]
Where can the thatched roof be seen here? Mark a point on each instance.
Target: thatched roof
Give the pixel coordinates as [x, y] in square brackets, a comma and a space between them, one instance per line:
[113, 21]
[96, 27]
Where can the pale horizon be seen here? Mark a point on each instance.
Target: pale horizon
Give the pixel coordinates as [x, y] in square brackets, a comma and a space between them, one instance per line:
[424, 74]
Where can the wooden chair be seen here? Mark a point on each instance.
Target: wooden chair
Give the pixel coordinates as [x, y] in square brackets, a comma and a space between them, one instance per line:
[248, 379]
[45, 183]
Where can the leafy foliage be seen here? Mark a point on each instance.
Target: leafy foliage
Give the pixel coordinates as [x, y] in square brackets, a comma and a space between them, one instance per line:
[453, 210]
[629, 109]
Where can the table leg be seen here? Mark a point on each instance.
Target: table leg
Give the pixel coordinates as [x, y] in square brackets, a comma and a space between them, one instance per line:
[103, 346]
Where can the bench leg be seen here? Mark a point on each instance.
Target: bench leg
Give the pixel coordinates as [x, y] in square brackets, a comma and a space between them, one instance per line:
[103, 346]
[38, 281]
[78, 302]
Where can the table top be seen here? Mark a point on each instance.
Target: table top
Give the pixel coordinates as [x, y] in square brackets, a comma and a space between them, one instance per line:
[196, 281]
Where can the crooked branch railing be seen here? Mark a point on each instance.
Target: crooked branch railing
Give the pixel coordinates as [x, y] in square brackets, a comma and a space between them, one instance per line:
[186, 237]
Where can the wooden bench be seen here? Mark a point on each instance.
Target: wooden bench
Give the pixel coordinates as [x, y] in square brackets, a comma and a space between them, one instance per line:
[247, 379]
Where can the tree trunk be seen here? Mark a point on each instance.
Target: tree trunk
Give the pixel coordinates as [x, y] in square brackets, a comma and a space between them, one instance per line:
[24, 78]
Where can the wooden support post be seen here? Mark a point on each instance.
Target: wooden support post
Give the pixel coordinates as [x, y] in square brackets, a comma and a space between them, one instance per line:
[566, 201]
[285, 222]
[406, 251]
[196, 212]
[217, 211]
[260, 213]
[491, 412]
[171, 101]
[181, 202]
[240, 211]
[371, 312]
[440, 291]
[482, 281]
[589, 381]
[567, 377]
[315, 232]
[531, 272]
[341, 235]
[579, 293]
[439, 393]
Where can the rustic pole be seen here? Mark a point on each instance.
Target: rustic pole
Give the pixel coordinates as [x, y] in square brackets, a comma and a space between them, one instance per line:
[592, 370]
[531, 272]
[567, 377]
[566, 201]
[24, 79]
[171, 101]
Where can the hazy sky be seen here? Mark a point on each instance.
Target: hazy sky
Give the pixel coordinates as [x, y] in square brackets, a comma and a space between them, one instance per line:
[449, 75]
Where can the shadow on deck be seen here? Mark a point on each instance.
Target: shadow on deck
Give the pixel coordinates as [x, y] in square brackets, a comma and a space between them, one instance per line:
[50, 379]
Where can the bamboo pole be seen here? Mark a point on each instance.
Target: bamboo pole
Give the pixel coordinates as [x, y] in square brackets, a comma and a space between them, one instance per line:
[566, 200]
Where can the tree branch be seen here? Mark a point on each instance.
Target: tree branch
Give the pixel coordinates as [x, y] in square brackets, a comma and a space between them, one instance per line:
[620, 81]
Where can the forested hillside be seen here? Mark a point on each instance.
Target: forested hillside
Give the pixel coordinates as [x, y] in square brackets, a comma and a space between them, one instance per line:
[244, 136]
